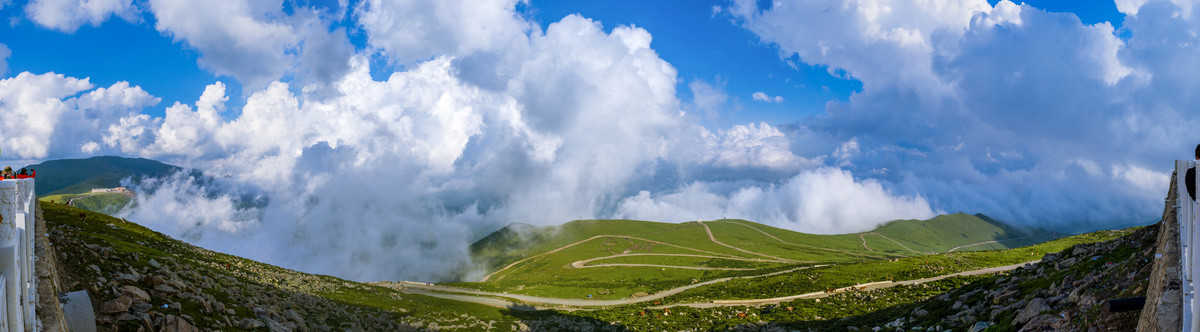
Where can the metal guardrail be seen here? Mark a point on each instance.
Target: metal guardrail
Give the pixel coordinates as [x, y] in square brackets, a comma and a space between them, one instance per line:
[17, 278]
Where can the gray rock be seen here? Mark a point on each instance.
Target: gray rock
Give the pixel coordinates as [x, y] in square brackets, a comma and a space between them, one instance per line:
[120, 304]
[127, 279]
[172, 323]
[1044, 323]
[1033, 309]
[251, 323]
[292, 315]
[1064, 264]
[136, 293]
[165, 289]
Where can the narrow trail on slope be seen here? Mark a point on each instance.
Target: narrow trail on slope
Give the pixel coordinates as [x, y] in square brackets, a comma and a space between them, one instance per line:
[72, 200]
[993, 241]
[864, 242]
[438, 290]
[580, 264]
[898, 243]
[803, 245]
[714, 240]
[489, 276]
[865, 286]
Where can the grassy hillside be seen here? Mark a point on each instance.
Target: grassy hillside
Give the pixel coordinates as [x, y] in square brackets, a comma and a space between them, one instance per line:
[110, 258]
[612, 259]
[1078, 273]
[106, 203]
[946, 232]
[78, 176]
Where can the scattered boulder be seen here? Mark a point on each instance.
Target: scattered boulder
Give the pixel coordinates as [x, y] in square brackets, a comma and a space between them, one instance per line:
[1033, 309]
[292, 315]
[165, 289]
[127, 279]
[251, 323]
[172, 323]
[117, 305]
[1044, 323]
[136, 293]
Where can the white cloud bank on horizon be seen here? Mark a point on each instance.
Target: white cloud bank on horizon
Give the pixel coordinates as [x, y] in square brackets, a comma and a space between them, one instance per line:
[392, 179]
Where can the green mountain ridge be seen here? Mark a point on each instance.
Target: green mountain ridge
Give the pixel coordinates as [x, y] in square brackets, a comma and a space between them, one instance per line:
[79, 176]
[939, 234]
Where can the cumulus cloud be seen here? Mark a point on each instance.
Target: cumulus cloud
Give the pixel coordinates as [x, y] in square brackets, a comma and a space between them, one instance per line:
[69, 15]
[409, 31]
[256, 42]
[44, 117]
[764, 97]
[754, 145]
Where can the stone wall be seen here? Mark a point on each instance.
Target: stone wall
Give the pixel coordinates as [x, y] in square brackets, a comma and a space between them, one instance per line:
[49, 310]
[1164, 298]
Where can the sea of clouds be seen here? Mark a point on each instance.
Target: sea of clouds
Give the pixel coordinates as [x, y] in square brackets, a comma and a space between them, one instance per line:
[1025, 115]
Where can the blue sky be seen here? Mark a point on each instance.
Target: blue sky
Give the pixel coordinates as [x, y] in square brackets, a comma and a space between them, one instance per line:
[455, 118]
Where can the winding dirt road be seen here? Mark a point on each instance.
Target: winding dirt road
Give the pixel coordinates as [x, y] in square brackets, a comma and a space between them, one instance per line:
[580, 264]
[804, 245]
[893, 241]
[506, 267]
[439, 291]
[714, 240]
[866, 286]
[489, 298]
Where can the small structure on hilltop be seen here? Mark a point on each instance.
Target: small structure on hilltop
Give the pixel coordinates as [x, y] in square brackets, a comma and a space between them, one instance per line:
[117, 190]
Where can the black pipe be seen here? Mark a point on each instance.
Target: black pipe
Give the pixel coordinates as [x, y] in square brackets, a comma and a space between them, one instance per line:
[1126, 304]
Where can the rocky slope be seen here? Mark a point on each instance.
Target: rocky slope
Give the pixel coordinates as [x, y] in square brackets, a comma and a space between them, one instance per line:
[140, 280]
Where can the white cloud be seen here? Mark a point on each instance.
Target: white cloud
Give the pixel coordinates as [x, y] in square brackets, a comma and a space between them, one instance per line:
[43, 119]
[246, 40]
[753, 145]
[764, 97]
[256, 42]
[409, 31]
[825, 200]
[4, 54]
[69, 15]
